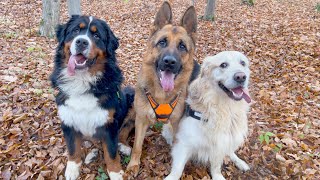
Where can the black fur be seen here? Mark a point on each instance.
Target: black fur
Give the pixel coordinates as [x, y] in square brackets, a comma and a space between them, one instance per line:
[69, 135]
[195, 71]
[106, 89]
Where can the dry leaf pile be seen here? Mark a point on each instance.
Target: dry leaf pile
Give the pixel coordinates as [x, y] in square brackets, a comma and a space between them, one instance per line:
[281, 38]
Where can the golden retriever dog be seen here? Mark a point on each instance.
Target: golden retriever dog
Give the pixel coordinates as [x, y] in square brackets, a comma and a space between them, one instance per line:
[167, 69]
[215, 124]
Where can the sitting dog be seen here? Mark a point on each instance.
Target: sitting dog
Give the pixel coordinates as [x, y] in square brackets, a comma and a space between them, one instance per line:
[167, 69]
[90, 102]
[215, 122]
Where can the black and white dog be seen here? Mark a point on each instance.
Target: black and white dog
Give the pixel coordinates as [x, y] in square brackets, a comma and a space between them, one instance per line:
[90, 101]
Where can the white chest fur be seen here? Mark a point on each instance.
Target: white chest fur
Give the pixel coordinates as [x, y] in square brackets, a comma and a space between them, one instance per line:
[83, 113]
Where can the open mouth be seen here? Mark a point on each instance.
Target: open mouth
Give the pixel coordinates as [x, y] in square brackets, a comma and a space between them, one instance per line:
[79, 62]
[237, 93]
[167, 80]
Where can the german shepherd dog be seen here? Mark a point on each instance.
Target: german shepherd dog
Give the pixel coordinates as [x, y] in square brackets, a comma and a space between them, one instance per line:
[167, 69]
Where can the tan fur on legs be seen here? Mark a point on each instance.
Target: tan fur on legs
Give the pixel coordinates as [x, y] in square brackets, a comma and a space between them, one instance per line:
[113, 165]
[76, 157]
[140, 132]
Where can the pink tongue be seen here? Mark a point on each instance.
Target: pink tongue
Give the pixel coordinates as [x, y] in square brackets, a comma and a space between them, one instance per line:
[167, 81]
[246, 96]
[72, 65]
[245, 93]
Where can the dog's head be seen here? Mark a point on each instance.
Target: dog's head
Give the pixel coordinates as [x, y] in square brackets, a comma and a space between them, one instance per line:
[228, 70]
[87, 44]
[172, 47]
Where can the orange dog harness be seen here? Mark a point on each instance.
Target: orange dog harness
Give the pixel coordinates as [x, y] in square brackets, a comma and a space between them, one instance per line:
[162, 111]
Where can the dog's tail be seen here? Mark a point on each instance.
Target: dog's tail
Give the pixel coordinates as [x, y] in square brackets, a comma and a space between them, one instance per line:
[129, 121]
[129, 92]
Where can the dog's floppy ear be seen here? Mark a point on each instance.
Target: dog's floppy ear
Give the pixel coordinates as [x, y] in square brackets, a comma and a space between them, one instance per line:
[61, 29]
[206, 67]
[112, 41]
[163, 17]
[61, 32]
[189, 22]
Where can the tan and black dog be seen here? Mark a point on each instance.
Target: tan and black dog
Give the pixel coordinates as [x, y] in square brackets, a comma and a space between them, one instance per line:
[167, 69]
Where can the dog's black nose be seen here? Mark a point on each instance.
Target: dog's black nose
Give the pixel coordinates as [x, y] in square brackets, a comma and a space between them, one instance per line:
[82, 43]
[240, 77]
[170, 60]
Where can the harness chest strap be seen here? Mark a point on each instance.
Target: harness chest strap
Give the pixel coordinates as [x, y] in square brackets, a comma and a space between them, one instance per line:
[194, 114]
[162, 111]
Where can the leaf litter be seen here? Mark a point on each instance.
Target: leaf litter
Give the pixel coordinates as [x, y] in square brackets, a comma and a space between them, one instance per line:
[281, 38]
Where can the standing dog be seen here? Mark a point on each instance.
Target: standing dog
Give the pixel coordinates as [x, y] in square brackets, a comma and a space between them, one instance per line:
[215, 124]
[90, 102]
[166, 71]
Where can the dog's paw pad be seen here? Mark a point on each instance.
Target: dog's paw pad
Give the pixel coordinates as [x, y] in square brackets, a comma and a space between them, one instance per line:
[126, 150]
[72, 170]
[91, 156]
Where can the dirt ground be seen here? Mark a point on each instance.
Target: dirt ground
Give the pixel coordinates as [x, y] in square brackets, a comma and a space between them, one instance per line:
[280, 37]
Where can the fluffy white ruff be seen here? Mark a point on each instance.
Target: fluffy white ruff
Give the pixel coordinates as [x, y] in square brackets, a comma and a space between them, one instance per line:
[225, 130]
[116, 175]
[81, 111]
[91, 156]
[72, 170]
[126, 150]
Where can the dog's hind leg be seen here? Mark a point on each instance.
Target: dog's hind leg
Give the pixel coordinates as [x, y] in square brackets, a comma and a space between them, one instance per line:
[126, 128]
[180, 155]
[167, 133]
[239, 163]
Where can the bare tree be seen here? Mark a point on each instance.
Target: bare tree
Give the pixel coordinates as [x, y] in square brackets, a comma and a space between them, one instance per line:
[209, 13]
[74, 7]
[50, 17]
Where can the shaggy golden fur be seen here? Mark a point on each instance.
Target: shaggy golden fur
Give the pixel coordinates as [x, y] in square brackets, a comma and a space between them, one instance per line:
[223, 101]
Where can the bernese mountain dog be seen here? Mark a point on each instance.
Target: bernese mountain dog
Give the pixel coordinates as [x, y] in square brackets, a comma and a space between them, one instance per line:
[89, 99]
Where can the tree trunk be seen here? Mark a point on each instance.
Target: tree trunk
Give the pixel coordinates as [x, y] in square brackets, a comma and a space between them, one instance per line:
[74, 7]
[192, 2]
[209, 13]
[50, 17]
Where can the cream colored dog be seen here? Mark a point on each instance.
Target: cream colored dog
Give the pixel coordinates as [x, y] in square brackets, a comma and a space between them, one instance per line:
[215, 124]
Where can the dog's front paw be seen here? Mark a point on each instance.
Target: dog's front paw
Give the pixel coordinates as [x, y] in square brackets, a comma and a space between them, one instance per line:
[133, 167]
[243, 166]
[171, 177]
[126, 150]
[116, 176]
[217, 176]
[72, 170]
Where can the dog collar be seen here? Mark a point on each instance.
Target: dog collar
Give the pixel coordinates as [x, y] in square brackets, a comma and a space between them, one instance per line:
[194, 114]
[162, 111]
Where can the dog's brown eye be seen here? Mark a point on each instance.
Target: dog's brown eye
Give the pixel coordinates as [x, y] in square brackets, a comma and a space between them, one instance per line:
[242, 63]
[224, 65]
[162, 43]
[76, 31]
[182, 47]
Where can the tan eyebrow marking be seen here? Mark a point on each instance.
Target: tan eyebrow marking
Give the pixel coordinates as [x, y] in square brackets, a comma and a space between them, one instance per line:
[93, 28]
[82, 25]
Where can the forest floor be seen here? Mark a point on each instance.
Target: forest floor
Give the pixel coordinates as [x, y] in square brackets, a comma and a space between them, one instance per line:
[280, 37]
